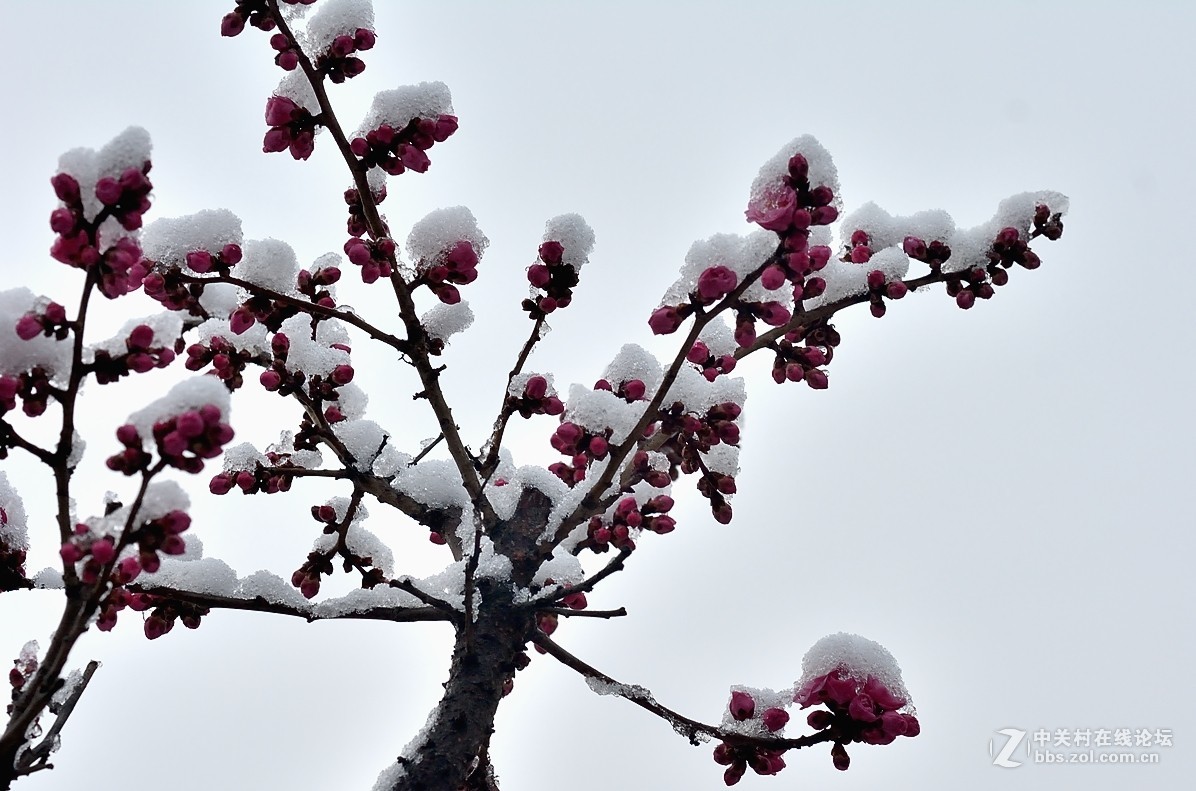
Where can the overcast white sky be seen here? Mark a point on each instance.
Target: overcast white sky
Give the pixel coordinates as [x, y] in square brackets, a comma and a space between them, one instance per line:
[1002, 498]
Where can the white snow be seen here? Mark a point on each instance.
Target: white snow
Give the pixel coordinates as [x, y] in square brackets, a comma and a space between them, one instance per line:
[130, 149]
[336, 18]
[857, 657]
[13, 521]
[363, 438]
[169, 239]
[439, 231]
[18, 356]
[443, 321]
[575, 235]
[398, 106]
[187, 395]
[270, 264]
[635, 362]
[822, 168]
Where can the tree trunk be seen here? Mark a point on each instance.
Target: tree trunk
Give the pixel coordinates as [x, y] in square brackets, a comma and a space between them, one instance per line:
[457, 735]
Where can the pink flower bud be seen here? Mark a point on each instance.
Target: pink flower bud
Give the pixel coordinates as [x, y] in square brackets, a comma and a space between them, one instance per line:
[241, 320]
[773, 277]
[28, 327]
[773, 209]
[128, 569]
[965, 299]
[840, 757]
[799, 168]
[775, 719]
[665, 320]
[598, 447]
[270, 379]
[65, 187]
[103, 551]
[220, 484]
[62, 221]
[742, 706]
[200, 260]
[914, 247]
[280, 111]
[538, 275]
[536, 387]
[575, 601]
[634, 389]
[140, 339]
[821, 195]
[342, 374]
[108, 190]
[232, 24]
[898, 289]
[816, 378]
[70, 552]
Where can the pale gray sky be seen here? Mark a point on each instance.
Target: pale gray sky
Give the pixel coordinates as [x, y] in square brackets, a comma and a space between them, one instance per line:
[999, 497]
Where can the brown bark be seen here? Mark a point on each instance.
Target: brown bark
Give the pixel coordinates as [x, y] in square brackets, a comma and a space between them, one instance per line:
[484, 658]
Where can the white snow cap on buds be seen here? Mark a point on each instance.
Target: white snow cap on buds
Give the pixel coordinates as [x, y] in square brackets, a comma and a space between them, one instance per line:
[575, 235]
[168, 240]
[294, 86]
[597, 410]
[130, 149]
[822, 169]
[271, 264]
[439, 231]
[635, 362]
[18, 356]
[857, 657]
[398, 106]
[970, 246]
[846, 279]
[167, 328]
[314, 357]
[740, 253]
[336, 18]
[13, 530]
[187, 395]
[519, 383]
[443, 321]
[358, 540]
[719, 337]
[699, 395]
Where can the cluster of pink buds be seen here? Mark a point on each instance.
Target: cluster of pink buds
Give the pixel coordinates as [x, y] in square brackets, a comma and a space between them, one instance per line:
[630, 390]
[228, 364]
[162, 535]
[161, 620]
[795, 363]
[33, 386]
[535, 400]
[399, 150]
[691, 436]
[376, 258]
[880, 287]
[356, 224]
[644, 471]
[582, 445]
[790, 208]
[133, 459]
[338, 62]
[203, 261]
[546, 622]
[629, 516]
[118, 599]
[307, 577]
[269, 480]
[738, 757]
[314, 285]
[127, 198]
[287, 58]
[255, 12]
[96, 552]
[168, 288]
[1008, 249]
[456, 265]
[772, 313]
[711, 367]
[934, 254]
[552, 276]
[260, 307]
[184, 441]
[141, 356]
[292, 128]
[50, 322]
[856, 711]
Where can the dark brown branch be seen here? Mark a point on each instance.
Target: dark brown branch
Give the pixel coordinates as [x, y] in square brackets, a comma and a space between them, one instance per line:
[691, 729]
[615, 564]
[565, 612]
[37, 757]
[259, 604]
[312, 308]
[494, 444]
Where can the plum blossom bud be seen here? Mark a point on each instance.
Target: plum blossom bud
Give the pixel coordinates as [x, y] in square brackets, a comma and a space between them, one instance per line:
[103, 551]
[773, 277]
[742, 705]
[775, 719]
[840, 757]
